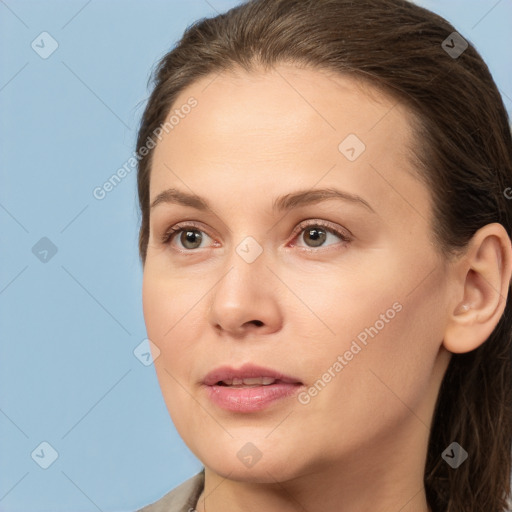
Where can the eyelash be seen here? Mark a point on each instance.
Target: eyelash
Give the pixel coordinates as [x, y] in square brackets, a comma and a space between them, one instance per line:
[171, 233]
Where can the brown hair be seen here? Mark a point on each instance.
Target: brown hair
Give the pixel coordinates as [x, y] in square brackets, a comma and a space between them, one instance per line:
[464, 155]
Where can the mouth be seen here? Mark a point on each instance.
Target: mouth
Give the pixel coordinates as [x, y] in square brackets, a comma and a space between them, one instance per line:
[250, 388]
[251, 382]
[248, 375]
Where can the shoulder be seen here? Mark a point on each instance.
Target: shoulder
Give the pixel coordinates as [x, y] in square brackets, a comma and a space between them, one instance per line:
[181, 499]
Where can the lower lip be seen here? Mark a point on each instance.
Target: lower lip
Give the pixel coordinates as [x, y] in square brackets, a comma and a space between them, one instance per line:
[250, 399]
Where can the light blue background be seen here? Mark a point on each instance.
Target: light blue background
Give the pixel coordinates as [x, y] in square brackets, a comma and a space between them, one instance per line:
[68, 375]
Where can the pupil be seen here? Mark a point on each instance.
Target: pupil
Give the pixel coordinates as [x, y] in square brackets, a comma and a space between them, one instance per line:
[318, 236]
[190, 237]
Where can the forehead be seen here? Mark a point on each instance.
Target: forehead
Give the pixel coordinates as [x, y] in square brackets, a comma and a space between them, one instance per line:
[289, 126]
[298, 104]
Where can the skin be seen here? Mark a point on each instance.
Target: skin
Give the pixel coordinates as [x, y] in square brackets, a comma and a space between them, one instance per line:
[361, 443]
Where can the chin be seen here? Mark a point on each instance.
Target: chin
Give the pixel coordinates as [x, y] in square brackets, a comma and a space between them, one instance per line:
[268, 472]
[258, 462]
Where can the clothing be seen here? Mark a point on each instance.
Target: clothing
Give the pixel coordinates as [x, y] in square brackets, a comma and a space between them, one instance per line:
[182, 498]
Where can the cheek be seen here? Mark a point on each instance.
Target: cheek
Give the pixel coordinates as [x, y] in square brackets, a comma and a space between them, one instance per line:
[388, 332]
[389, 354]
[166, 303]
[154, 304]
[175, 318]
[344, 306]
[165, 315]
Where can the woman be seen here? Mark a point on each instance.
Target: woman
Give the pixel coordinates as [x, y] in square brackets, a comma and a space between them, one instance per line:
[326, 247]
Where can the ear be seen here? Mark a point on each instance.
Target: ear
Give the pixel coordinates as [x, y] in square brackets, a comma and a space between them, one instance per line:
[484, 274]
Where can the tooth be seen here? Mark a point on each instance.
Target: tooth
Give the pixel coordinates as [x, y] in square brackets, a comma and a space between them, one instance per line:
[258, 380]
[249, 381]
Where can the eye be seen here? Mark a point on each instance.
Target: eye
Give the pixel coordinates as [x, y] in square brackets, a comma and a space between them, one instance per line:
[315, 234]
[190, 236]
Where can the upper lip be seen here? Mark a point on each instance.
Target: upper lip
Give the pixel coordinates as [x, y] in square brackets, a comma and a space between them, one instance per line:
[246, 371]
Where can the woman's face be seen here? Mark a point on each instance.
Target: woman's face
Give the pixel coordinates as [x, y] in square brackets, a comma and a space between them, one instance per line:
[346, 296]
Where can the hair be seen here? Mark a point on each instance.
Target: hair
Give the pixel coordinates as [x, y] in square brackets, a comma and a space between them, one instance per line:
[463, 154]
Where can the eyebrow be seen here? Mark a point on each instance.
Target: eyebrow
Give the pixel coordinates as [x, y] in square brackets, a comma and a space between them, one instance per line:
[280, 204]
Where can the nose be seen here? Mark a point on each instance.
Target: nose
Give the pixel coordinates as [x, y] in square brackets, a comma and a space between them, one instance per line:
[245, 299]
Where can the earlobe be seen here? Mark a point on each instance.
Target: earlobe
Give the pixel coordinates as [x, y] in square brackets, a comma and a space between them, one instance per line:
[485, 271]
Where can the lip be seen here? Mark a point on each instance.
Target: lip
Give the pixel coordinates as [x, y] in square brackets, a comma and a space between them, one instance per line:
[247, 370]
[249, 399]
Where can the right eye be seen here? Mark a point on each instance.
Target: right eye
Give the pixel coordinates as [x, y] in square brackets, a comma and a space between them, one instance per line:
[189, 236]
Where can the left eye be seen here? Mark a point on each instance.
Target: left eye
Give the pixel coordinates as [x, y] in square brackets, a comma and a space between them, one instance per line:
[317, 233]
